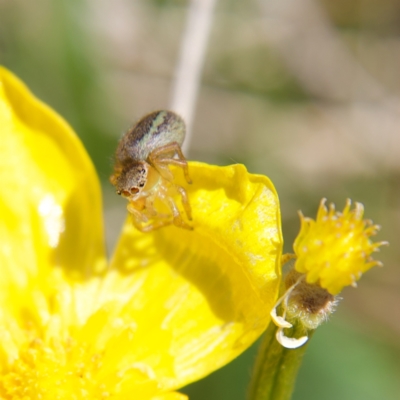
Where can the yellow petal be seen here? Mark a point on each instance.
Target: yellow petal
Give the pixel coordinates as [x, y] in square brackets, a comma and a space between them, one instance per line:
[50, 202]
[50, 199]
[201, 297]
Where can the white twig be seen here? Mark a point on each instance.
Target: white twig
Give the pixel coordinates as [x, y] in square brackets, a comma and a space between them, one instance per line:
[191, 60]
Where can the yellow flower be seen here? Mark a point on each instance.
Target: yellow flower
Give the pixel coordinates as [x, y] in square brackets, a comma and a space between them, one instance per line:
[170, 307]
[331, 252]
[335, 249]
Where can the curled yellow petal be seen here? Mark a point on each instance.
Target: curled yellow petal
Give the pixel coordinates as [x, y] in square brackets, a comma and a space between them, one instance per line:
[203, 296]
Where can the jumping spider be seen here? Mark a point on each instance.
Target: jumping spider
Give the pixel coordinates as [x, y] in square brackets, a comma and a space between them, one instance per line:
[141, 172]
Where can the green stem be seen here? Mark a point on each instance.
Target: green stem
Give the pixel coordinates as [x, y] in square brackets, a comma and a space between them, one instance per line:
[276, 367]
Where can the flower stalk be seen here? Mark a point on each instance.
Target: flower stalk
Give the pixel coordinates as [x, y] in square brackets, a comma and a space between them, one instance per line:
[276, 366]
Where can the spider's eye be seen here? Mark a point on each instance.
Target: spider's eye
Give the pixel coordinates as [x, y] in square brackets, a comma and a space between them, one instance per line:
[134, 190]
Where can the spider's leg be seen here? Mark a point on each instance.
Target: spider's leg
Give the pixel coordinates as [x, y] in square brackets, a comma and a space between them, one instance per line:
[141, 221]
[117, 172]
[164, 155]
[185, 201]
[177, 220]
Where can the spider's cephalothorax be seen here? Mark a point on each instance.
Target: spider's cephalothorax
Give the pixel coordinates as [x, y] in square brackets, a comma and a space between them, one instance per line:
[141, 172]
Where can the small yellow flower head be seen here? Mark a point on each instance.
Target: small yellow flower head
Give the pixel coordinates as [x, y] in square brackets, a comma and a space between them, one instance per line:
[331, 252]
[336, 249]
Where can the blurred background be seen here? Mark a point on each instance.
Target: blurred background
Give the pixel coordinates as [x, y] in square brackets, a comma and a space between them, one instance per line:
[304, 91]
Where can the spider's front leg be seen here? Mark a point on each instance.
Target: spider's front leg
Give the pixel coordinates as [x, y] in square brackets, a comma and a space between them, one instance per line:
[141, 221]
